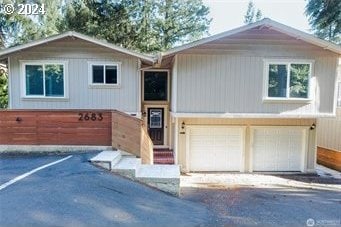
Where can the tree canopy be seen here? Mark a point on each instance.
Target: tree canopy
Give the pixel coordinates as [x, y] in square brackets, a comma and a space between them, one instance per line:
[325, 19]
[144, 25]
[3, 88]
[252, 14]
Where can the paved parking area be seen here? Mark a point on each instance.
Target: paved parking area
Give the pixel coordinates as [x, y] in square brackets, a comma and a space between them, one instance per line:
[75, 193]
[266, 200]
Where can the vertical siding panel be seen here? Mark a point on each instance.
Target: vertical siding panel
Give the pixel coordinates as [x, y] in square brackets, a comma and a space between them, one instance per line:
[329, 132]
[80, 95]
[234, 83]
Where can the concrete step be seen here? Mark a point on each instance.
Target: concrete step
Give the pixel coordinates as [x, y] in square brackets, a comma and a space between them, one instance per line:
[127, 166]
[107, 159]
[163, 177]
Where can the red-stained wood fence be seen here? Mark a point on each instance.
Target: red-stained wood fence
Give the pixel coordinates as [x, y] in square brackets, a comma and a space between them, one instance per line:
[55, 127]
[76, 127]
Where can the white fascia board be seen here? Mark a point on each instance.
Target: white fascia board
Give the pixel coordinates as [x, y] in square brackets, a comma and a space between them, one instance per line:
[113, 47]
[249, 115]
[211, 38]
[34, 43]
[80, 36]
[303, 36]
[265, 22]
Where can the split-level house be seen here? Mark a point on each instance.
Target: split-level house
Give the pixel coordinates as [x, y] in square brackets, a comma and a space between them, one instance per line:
[329, 134]
[243, 100]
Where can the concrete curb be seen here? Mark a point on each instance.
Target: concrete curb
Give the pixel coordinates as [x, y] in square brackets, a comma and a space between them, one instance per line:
[41, 149]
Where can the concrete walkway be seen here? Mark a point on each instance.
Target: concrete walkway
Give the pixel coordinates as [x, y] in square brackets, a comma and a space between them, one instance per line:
[326, 172]
[227, 180]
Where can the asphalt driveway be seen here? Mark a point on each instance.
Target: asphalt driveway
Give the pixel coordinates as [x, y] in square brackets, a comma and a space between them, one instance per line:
[75, 193]
[267, 200]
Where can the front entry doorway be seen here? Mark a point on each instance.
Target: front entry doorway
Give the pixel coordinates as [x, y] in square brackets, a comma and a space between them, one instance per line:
[156, 125]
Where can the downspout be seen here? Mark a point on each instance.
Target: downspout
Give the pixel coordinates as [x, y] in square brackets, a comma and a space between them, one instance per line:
[139, 89]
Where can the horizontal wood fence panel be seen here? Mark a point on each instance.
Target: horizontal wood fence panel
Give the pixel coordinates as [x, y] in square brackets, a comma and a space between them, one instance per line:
[147, 152]
[76, 127]
[129, 134]
[55, 127]
[329, 158]
[126, 134]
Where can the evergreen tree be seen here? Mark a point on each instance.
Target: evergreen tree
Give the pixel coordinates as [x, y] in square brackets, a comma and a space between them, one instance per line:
[181, 21]
[3, 88]
[147, 26]
[325, 18]
[16, 28]
[251, 15]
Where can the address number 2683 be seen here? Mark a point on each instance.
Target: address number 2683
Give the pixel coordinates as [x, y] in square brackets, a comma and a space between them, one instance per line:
[90, 116]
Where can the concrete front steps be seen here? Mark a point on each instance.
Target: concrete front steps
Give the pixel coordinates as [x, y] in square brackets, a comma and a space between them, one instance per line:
[164, 177]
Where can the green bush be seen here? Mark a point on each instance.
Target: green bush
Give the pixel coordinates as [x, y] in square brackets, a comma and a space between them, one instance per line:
[3, 89]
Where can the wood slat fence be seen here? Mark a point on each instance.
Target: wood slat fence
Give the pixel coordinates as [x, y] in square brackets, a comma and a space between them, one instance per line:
[76, 127]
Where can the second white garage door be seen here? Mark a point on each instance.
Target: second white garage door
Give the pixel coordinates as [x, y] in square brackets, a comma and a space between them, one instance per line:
[215, 148]
[278, 149]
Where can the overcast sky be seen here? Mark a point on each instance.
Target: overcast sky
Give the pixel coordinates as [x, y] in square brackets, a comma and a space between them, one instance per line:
[228, 14]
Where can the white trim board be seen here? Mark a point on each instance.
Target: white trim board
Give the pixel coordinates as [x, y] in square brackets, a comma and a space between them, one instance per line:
[104, 64]
[165, 122]
[248, 115]
[287, 63]
[63, 62]
[266, 22]
[79, 36]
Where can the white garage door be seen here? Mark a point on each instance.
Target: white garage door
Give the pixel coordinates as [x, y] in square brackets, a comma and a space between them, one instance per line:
[278, 149]
[215, 148]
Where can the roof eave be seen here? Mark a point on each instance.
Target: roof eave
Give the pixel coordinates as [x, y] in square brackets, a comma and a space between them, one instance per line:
[11, 50]
[265, 22]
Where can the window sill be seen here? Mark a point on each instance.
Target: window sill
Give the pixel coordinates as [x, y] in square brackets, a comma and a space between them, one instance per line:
[274, 100]
[96, 86]
[46, 99]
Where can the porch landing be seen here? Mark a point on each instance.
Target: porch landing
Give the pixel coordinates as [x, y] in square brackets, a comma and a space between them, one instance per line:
[163, 156]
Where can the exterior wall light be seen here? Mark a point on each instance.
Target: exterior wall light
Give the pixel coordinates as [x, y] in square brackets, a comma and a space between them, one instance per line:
[183, 125]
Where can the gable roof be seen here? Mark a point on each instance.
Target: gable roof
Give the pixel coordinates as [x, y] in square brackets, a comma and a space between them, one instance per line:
[79, 36]
[266, 22]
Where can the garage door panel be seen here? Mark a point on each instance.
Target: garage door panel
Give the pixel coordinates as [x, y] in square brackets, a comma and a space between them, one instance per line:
[215, 148]
[278, 149]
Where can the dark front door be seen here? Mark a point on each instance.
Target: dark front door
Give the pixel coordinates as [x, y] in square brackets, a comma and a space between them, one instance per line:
[155, 125]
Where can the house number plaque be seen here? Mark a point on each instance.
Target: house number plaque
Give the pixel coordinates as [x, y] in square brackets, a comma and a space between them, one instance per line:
[90, 116]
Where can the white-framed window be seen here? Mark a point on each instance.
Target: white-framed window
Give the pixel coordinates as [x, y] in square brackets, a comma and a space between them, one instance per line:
[104, 74]
[287, 80]
[44, 79]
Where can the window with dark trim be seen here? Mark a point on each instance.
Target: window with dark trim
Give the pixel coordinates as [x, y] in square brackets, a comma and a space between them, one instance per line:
[155, 86]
